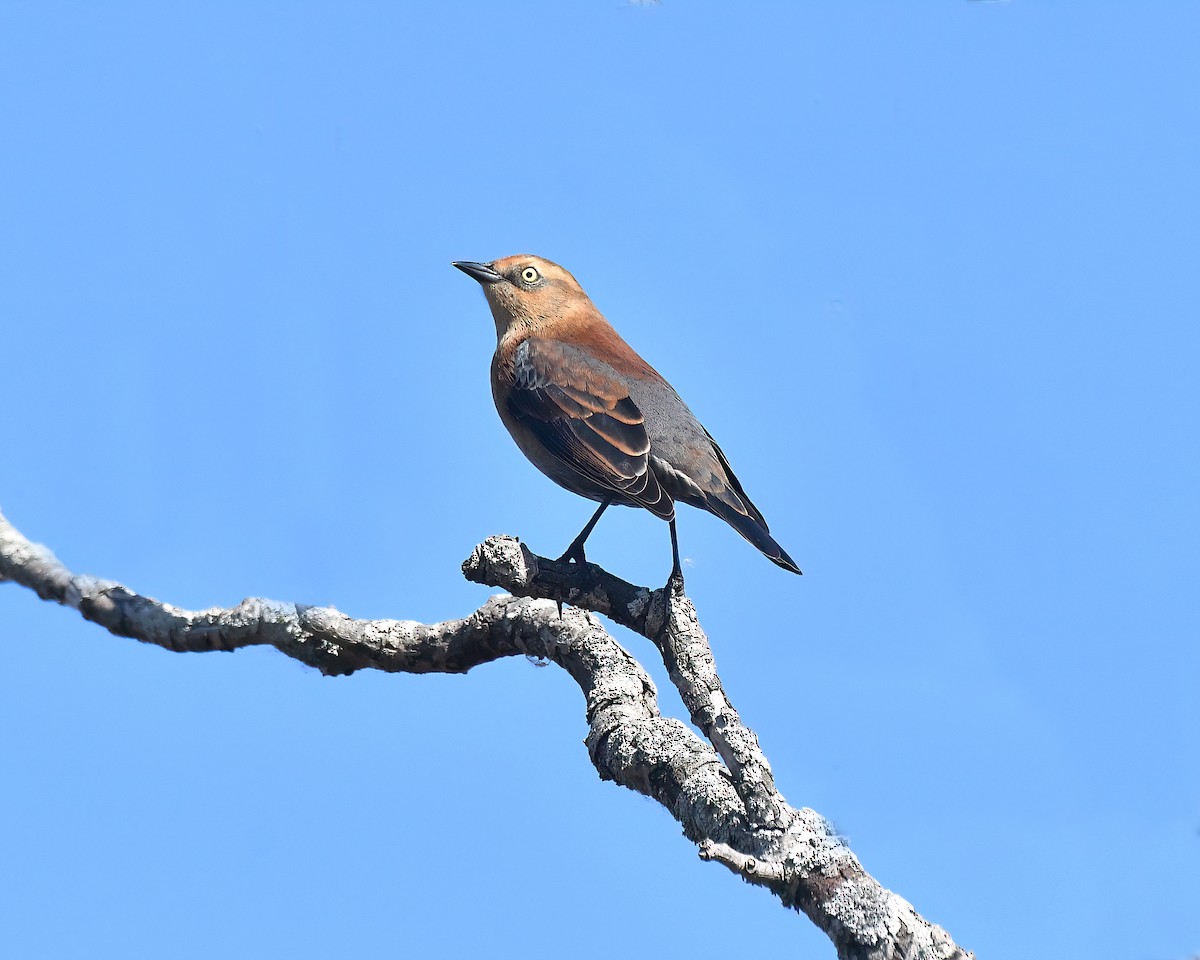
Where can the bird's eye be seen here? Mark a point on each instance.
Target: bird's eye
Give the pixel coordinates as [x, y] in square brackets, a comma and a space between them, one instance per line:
[530, 275]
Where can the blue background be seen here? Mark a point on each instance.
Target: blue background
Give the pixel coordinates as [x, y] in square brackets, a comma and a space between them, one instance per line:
[928, 271]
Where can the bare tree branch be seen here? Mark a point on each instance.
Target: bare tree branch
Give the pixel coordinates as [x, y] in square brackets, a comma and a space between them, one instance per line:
[795, 853]
[725, 799]
[670, 622]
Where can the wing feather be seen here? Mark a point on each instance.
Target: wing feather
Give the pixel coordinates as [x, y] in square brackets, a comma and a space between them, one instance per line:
[580, 409]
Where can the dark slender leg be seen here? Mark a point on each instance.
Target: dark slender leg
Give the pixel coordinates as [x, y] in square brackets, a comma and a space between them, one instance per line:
[575, 550]
[676, 576]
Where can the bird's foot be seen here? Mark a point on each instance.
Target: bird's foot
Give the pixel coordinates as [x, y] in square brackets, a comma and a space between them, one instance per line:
[674, 585]
[574, 553]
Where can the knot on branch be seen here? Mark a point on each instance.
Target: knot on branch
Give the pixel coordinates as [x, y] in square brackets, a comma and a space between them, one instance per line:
[502, 560]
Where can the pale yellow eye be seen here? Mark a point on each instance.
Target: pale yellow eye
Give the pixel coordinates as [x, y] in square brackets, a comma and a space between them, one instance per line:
[529, 275]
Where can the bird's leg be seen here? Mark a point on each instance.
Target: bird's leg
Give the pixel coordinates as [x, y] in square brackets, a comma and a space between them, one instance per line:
[675, 580]
[575, 550]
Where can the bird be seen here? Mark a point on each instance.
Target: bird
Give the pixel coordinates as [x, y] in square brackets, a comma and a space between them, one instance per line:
[596, 418]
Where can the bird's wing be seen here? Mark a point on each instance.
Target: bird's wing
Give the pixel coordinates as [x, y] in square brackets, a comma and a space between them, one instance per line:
[739, 501]
[580, 409]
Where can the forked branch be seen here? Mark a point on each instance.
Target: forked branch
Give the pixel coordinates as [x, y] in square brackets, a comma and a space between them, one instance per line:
[723, 795]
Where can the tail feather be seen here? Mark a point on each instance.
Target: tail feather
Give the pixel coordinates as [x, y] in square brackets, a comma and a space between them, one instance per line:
[751, 524]
[752, 530]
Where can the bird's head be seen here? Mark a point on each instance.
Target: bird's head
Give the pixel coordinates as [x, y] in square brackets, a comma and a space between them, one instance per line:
[527, 293]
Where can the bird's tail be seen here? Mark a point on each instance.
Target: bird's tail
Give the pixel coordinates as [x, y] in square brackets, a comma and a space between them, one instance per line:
[728, 504]
[754, 530]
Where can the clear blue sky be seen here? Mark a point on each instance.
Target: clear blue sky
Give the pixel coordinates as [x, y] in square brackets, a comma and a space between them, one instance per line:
[928, 271]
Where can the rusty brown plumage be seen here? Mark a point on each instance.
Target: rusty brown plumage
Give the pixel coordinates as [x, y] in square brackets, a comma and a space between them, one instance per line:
[594, 416]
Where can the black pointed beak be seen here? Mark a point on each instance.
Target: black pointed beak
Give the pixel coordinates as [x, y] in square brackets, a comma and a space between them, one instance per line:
[480, 271]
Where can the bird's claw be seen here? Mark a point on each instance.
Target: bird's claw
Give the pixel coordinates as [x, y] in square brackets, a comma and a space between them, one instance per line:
[574, 555]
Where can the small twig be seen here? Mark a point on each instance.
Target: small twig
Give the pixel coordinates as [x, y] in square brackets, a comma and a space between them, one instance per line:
[765, 873]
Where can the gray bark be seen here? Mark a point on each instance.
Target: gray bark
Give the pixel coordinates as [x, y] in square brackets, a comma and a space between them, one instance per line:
[721, 791]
